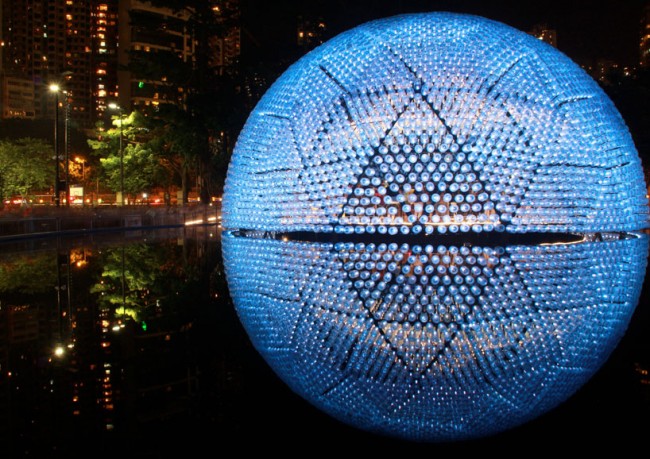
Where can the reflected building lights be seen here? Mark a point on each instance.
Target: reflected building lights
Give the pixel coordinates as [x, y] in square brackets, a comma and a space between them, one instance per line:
[67, 368]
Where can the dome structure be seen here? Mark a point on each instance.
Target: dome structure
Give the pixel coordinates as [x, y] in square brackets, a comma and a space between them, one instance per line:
[431, 227]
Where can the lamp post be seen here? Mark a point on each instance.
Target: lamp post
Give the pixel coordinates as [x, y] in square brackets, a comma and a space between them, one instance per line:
[55, 89]
[114, 106]
[66, 148]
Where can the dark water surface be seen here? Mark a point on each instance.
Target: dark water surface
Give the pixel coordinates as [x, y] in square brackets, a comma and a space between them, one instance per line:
[128, 344]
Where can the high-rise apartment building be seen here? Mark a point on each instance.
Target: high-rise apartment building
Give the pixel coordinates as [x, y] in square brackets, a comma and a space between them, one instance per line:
[16, 97]
[86, 46]
[544, 33]
[104, 36]
[644, 48]
[46, 41]
[68, 42]
[145, 29]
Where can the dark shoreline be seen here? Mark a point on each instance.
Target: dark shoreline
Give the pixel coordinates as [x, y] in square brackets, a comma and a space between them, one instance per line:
[30, 223]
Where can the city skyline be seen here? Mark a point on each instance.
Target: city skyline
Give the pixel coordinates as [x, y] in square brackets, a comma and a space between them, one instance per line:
[586, 30]
[592, 34]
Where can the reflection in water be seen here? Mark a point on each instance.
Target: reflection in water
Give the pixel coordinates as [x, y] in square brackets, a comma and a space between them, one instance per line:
[172, 372]
[94, 337]
[429, 342]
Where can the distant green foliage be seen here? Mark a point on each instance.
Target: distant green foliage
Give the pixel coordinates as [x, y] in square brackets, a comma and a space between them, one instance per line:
[143, 168]
[25, 165]
[29, 274]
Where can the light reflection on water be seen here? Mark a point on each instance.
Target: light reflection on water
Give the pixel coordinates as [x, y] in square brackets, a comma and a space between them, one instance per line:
[139, 345]
[434, 341]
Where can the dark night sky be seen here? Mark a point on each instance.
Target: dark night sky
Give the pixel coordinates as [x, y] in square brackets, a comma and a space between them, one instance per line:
[586, 29]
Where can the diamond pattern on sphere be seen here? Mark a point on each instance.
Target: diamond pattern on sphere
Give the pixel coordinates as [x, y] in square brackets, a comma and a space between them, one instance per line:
[419, 178]
[420, 297]
[350, 210]
[534, 129]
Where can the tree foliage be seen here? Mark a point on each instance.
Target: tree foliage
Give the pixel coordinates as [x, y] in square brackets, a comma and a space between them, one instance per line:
[139, 159]
[138, 279]
[29, 274]
[26, 165]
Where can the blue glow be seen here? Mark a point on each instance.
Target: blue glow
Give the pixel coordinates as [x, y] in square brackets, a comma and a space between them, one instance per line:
[400, 138]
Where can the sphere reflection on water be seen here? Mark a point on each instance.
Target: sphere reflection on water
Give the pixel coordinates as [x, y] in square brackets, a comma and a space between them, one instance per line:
[363, 217]
[440, 342]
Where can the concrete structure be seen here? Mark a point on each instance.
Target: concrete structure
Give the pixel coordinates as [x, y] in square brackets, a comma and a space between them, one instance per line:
[16, 97]
[145, 28]
[104, 53]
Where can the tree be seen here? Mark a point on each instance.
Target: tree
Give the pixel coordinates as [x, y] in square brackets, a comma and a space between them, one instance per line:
[25, 165]
[139, 159]
[139, 279]
[29, 274]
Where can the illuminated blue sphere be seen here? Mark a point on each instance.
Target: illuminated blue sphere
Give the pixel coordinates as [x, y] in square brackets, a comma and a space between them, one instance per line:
[432, 227]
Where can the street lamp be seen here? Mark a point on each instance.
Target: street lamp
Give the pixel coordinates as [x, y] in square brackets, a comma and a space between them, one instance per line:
[54, 88]
[66, 148]
[114, 106]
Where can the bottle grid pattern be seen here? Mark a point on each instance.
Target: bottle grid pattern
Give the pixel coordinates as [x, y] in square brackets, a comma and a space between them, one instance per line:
[434, 124]
[390, 138]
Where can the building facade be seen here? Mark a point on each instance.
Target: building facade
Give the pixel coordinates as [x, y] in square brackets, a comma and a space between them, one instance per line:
[46, 42]
[104, 25]
[545, 33]
[164, 37]
[644, 45]
[17, 97]
[88, 48]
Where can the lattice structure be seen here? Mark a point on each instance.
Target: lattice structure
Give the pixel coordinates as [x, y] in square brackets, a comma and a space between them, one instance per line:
[365, 211]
